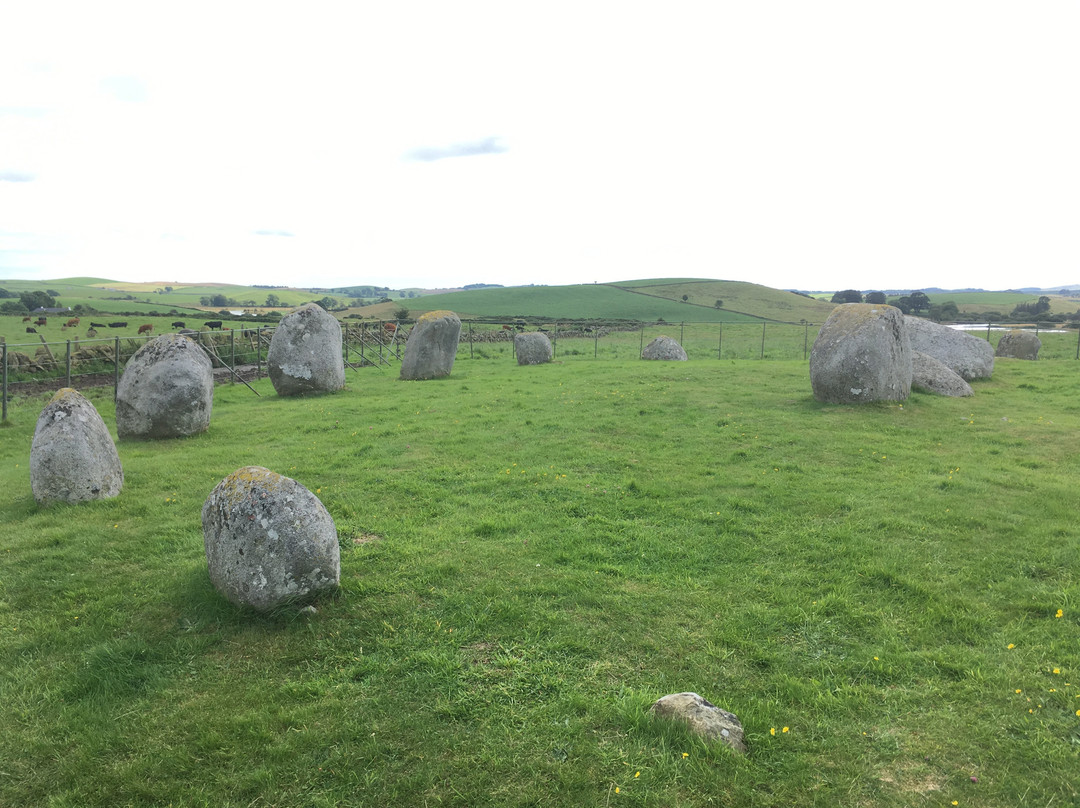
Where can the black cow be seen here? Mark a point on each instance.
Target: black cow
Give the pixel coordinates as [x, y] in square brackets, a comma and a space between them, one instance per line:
[213, 324]
[179, 324]
[97, 325]
[31, 330]
[118, 325]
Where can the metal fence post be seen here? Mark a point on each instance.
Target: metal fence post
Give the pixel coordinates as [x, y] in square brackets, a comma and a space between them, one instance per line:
[720, 343]
[116, 367]
[67, 364]
[470, 339]
[641, 346]
[763, 340]
[258, 353]
[3, 392]
[232, 355]
[805, 336]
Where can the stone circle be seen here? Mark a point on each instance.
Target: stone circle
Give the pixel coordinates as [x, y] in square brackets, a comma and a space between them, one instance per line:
[432, 346]
[1019, 345]
[305, 353]
[167, 390]
[861, 354]
[533, 348]
[664, 348]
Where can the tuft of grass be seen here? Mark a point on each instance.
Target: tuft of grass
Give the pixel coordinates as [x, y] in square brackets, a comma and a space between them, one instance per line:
[530, 557]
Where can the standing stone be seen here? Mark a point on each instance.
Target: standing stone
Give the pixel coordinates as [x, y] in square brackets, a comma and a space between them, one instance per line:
[432, 346]
[966, 354]
[305, 353]
[73, 457]
[928, 374]
[533, 348]
[167, 390]
[703, 719]
[269, 541]
[861, 354]
[1019, 345]
[664, 348]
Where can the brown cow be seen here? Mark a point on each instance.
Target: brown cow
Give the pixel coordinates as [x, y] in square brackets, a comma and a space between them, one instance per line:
[40, 321]
[145, 329]
[390, 327]
[26, 319]
[74, 321]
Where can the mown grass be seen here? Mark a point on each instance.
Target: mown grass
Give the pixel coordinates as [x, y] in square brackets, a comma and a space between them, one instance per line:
[531, 556]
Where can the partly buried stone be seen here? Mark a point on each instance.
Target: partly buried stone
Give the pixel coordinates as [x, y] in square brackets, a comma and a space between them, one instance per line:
[432, 346]
[861, 354]
[533, 348]
[1018, 345]
[167, 390]
[968, 355]
[269, 541]
[73, 457]
[665, 348]
[704, 719]
[305, 353]
[932, 376]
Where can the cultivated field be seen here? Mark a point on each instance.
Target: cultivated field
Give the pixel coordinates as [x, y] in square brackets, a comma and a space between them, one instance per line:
[887, 596]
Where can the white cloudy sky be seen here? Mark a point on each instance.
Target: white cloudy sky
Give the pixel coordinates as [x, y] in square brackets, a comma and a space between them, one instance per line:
[813, 144]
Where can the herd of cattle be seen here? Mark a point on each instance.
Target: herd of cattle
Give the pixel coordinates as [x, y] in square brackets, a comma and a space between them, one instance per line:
[148, 328]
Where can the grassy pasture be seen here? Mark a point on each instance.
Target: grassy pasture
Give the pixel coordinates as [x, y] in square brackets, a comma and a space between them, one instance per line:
[887, 596]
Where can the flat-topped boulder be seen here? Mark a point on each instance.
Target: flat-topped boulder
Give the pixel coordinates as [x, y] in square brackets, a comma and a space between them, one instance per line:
[861, 354]
[970, 356]
[664, 349]
[1018, 345]
[533, 348]
[72, 456]
[932, 376]
[167, 390]
[432, 346]
[305, 353]
[269, 541]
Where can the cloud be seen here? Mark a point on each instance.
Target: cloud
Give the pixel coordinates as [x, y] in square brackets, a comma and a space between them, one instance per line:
[281, 233]
[16, 176]
[124, 88]
[428, 154]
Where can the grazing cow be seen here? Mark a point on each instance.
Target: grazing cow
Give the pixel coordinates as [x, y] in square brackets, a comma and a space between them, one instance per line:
[118, 325]
[74, 321]
[145, 329]
[40, 321]
[390, 327]
[31, 330]
[91, 332]
[179, 324]
[213, 325]
[508, 328]
[97, 325]
[26, 319]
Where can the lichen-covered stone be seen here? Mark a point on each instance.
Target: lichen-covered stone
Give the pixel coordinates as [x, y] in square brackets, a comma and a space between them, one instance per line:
[861, 354]
[73, 457]
[932, 376]
[432, 346]
[305, 353]
[167, 390]
[269, 540]
[970, 356]
[702, 718]
[533, 348]
[1019, 345]
[664, 348]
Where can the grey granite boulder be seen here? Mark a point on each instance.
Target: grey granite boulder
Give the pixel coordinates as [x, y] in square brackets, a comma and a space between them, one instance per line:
[1018, 345]
[533, 348]
[269, 541]
[432, 346]
[702, 718]
[664, 348]
[970, 356]
[305, 353]
[861, 354]
[167, 390]
[73, 457]
[932, 376]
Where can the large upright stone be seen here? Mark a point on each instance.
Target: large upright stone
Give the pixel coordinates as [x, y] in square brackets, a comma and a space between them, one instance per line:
[1019, 345]
[432, 346]
[305, 353]
[73, 457]
[664, 348]
[167, 390]
[533, 348]
[968, 355]
[269, 541]
[933, 376]
[861, 354]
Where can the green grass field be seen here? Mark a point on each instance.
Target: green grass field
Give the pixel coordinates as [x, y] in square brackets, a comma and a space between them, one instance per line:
[887, 596]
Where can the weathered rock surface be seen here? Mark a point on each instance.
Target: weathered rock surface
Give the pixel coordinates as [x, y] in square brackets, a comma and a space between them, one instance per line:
[703, 718]
[970, 356]
[861, 354]
[269, 541]
[432, 346]
[305, 353]
[533, 348]
[167, 390]
[932, 376]
[664, 348]
[73, 457]
[1019, 345]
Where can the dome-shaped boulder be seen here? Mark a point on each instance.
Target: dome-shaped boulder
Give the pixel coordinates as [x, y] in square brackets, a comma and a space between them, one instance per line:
[305, 353]
[167, 390]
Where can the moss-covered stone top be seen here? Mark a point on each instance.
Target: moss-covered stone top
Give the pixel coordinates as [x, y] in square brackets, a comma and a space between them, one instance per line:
[435, 315]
